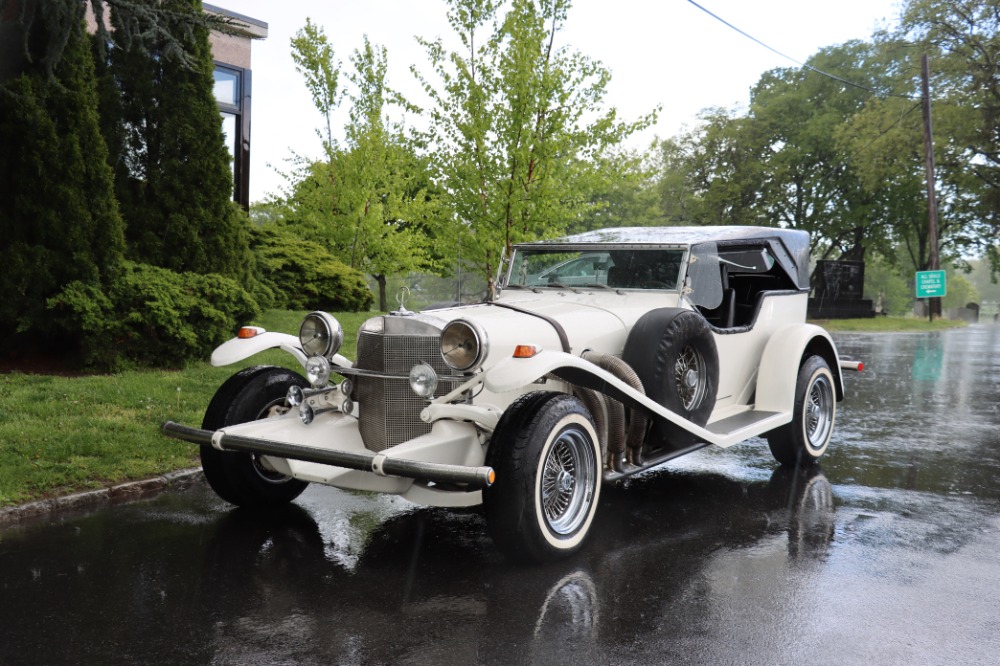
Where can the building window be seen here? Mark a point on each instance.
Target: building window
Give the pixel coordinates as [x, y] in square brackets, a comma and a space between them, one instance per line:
[232, 93]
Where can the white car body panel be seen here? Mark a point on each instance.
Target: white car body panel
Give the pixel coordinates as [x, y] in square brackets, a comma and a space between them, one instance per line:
[758, 367]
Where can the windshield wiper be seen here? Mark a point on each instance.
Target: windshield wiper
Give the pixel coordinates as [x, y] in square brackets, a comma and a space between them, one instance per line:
[560, 285]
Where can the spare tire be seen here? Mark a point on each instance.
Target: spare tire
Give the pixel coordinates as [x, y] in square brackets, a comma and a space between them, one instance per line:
[673, 352]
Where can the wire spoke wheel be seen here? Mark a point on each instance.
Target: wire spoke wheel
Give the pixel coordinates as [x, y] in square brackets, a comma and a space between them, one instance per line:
[807, 437]
[547, 457]
[567, 476]
[819, 418]
[690, 377]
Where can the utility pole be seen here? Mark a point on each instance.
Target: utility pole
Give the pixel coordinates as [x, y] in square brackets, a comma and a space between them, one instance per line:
[933, 304]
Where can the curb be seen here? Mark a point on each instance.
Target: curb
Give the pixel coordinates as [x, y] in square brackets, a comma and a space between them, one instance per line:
[119, 494]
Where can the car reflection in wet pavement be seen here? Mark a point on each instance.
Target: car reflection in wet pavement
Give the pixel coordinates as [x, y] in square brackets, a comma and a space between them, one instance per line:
[885, 554]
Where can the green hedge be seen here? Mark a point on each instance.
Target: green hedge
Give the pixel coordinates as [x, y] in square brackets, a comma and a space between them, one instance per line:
[303, 275]
[152, 316]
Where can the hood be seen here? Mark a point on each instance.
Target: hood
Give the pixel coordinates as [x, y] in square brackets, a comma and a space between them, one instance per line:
[588, 321]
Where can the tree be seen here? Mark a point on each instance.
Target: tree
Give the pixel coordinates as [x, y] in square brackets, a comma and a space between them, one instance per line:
[962, 39]
[59, 221]
[517, 125]
[162, 125]
[889, 284]
[989, 289]
[623, 192]
[713, 174]
[370, 202]
[885, 140]
[304, 275]
[809, 181]
[315, 60]
[55, 23]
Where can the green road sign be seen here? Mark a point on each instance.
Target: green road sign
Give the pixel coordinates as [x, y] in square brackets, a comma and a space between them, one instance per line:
[931, 284]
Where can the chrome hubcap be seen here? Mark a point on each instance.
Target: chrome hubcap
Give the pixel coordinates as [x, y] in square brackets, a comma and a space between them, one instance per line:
[568, 476]
[688, 378]
[819, 412]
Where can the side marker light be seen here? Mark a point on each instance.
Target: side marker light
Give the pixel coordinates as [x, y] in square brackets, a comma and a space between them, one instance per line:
[247, 332]
[526, 351]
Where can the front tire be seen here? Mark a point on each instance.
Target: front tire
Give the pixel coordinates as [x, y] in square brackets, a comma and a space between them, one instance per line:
[241, 478]
[547, 459]
[807, 437]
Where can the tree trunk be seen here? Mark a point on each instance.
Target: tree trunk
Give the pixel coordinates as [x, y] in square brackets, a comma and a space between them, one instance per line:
[383, 303]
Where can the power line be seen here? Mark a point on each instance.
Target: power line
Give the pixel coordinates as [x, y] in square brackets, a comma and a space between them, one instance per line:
[788, 57]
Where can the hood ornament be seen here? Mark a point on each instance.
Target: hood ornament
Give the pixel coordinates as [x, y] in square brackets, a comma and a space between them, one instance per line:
[401, 300]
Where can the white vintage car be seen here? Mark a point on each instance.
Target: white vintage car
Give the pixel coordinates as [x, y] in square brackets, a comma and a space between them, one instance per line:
[600, 355]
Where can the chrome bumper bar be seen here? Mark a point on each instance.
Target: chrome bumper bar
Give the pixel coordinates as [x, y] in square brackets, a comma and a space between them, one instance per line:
[376, 463]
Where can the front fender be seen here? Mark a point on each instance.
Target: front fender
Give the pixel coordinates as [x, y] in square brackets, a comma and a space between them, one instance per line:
[515, 373]
[237, 349]
[783, 355]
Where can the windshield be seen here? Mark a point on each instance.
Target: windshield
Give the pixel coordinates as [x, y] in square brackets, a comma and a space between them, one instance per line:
[613, 269]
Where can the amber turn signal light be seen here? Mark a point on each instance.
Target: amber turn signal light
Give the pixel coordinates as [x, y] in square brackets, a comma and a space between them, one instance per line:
[526, 351]
[247, 332]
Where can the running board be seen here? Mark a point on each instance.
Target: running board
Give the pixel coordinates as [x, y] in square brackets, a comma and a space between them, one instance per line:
[750, 420]
[730, 430]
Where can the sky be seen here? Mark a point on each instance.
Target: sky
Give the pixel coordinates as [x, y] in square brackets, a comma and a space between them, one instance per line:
[659, 52]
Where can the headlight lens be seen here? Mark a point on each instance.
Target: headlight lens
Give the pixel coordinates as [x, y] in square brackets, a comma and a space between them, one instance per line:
[463, 345]
[423, 380]
[320, 334]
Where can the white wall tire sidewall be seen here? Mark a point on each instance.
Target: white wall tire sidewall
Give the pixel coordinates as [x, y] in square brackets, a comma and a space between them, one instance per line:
[568, 542]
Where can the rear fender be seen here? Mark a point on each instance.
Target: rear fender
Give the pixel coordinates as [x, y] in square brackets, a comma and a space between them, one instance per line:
[779, 365]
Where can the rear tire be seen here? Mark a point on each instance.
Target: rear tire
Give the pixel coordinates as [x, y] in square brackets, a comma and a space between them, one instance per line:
[548, 468]
[807, 437]
[238, 477]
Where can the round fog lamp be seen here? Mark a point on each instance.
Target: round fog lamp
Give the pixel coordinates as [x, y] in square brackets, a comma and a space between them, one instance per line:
[423, 380]
[318, 371]
[295, 396]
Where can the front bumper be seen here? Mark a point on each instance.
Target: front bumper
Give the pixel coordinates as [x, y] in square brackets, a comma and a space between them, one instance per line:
[381, 464]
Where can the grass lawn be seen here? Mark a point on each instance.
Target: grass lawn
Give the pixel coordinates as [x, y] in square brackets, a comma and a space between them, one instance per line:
[64, 434]
[887, 324]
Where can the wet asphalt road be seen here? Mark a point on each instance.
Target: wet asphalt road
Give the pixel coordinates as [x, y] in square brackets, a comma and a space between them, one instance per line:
[889, 553]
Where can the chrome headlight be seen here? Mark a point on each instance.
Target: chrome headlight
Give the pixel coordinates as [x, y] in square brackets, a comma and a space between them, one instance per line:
[320, 334]
[463, 345]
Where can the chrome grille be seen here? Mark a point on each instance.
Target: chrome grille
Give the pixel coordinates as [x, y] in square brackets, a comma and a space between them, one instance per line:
[389, 410]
